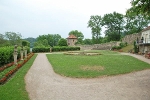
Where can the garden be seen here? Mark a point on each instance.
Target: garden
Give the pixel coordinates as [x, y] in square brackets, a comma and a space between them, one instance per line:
[14, 64]
[105, 63]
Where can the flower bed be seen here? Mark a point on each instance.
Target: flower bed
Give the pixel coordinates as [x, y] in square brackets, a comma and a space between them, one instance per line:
[13, 68]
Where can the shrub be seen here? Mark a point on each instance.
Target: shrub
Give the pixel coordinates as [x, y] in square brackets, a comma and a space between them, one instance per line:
[55, 48]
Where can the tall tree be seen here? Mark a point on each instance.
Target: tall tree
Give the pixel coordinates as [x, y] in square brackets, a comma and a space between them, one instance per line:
[113, 23]
[14, 38]
[78, 34]
[62, 42]
[140, 7]
[87, 41]
[95, 23]
[51, 38]
[135, 23]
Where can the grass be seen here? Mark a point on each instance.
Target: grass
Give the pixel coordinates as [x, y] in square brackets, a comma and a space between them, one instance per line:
[127, 48]
[109, 63]
[14, 89]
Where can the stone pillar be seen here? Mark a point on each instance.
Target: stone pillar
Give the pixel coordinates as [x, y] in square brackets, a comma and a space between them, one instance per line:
[15, 55]
[50, 49]
[21, 53]
[25, 53]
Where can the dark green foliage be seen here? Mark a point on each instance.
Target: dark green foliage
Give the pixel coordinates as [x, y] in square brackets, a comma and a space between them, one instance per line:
[52, 39]
[25, 43]
[121, 45]
[62, 42]
[136, 49]
[56, 48]
[87, 41]
[113, 23]
[6, 54]
[41, 49]
[140, 7]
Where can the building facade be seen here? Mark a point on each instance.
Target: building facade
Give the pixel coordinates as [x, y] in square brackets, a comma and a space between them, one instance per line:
[71, 40]
[144, 41]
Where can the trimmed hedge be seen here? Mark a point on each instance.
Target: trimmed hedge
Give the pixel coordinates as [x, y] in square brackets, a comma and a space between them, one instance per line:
[54, 49]
[6, 54]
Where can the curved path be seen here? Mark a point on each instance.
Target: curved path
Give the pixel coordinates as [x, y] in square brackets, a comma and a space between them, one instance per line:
[43, 84]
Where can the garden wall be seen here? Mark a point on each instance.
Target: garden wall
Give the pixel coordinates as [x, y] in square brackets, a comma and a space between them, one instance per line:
[103, 46]
[131, 38]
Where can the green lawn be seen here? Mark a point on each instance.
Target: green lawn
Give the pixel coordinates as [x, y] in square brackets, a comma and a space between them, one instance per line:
[109, 63]
[14, 89]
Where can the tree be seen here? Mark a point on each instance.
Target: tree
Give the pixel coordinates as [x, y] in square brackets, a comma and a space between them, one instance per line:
[13, 38]
[3, 41]
[95, 23]
[51, 38]
[135, 23]
[62, 42]
[31, 40]
[113, 23]
[87, 41]
[140, 7]
[78, 34]
[25, 43]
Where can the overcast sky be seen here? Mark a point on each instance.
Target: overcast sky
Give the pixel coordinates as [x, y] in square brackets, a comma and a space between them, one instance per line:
[32, 18]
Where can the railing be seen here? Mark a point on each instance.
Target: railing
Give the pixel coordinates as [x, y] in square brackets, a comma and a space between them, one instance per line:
[144, 41]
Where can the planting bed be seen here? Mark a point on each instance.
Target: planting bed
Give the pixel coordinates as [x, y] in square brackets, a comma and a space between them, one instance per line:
[8, 70]
[83, 53]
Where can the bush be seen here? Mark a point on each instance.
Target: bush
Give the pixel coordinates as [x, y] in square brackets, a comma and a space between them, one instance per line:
[41, 49]
[6, 54]
[55, 48]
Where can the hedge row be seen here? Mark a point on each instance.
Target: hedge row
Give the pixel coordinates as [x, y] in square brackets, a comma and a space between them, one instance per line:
[56, 48]
[6, 54]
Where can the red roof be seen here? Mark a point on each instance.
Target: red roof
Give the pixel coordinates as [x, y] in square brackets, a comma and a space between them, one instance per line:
[148, 28]
[72, 37]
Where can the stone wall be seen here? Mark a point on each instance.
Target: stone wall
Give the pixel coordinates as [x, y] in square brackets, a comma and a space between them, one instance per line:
[104, 46]
[131, 38]
[107, 46]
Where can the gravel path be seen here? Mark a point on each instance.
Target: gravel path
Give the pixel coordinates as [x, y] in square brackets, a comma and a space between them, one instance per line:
[43, 84]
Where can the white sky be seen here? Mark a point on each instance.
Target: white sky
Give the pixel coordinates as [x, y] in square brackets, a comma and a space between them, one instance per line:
[32, 18]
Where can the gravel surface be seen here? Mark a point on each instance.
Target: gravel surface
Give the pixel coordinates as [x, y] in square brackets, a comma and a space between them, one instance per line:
[43, 84]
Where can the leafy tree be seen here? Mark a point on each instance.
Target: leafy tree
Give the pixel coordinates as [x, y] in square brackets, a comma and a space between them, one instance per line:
[62, 42]
[140, 7]
[13, 38]
[25, 43]
[87, 41]
[113, 23]
[3, 41]
[78, 34]
[31, 40]
[51, 38]
[95, 23]
[135, 23]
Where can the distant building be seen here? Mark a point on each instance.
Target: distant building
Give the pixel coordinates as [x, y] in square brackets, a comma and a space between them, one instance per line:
[71, 40]
[144, 41]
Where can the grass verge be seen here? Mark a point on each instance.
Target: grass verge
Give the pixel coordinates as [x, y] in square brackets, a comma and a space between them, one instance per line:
[14, 89]
[81, 66]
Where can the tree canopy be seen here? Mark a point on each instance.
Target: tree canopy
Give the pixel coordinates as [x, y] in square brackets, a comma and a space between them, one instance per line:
[113, 22]
[95, 23]
[78, 34]
[47, 40]
[62, 42]
[140, 7]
